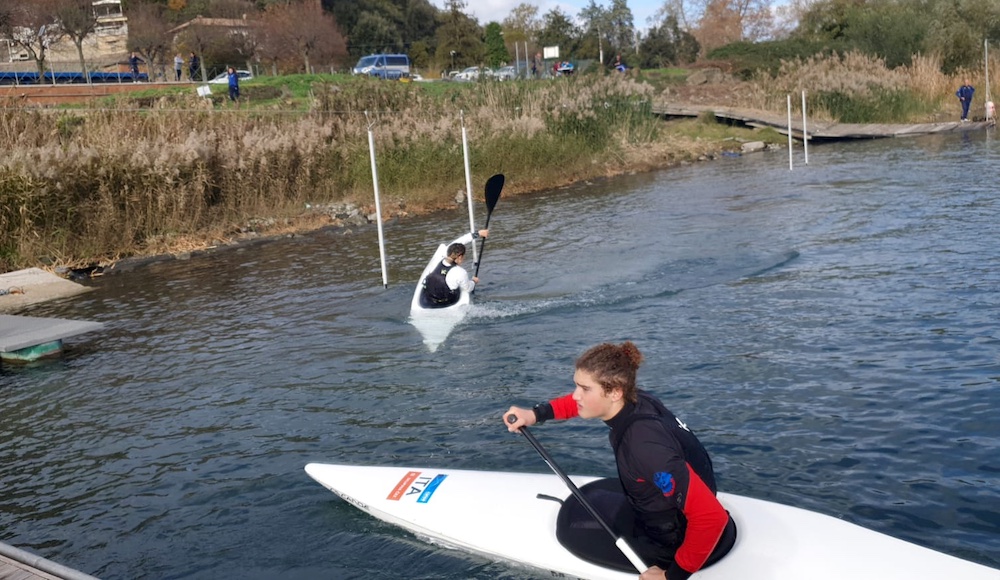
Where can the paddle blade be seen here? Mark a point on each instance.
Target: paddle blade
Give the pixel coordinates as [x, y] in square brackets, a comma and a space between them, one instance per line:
[494, 186]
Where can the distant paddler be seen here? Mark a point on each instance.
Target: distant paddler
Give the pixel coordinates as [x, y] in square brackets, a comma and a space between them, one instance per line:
[445, 284]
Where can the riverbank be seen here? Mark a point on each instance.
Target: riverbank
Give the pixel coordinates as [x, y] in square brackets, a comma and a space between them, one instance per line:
[348, 217]
[90, 188]
[167, 172]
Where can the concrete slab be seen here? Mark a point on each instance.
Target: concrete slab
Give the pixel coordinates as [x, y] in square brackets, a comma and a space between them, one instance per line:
[24, 288]
[19, 332]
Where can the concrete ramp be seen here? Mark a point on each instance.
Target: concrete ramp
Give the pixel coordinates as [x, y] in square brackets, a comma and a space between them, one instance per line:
[31, 286]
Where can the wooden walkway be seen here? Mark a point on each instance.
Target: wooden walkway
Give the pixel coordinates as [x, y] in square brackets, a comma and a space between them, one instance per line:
[818, 131]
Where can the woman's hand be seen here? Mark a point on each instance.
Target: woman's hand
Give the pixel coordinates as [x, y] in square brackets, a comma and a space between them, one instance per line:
[654, 573]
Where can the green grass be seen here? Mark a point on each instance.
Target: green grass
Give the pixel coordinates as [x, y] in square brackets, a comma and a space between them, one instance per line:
[707, 128]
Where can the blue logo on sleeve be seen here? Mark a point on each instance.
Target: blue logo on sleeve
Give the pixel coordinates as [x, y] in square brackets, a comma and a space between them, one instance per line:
[665, 482]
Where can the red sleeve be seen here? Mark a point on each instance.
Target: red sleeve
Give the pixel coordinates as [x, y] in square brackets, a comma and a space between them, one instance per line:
[564, 407]
[706, 520]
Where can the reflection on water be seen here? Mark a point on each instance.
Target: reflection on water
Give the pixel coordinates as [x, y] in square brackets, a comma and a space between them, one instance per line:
[829, 332]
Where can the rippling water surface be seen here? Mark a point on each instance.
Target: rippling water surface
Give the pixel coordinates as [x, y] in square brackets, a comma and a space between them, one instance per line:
[830, 332]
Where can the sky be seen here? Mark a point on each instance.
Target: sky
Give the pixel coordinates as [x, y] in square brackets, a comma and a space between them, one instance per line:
[486, 11]
[496, 10]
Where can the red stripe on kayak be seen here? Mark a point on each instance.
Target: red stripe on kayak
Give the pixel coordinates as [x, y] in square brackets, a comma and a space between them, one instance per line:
[403, 485]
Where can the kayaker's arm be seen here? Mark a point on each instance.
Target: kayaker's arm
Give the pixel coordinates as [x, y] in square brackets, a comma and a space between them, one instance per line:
[467, 238]
[562, 408]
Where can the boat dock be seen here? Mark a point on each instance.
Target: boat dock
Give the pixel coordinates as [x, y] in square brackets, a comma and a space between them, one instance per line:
[818, 130]
[18, 564]
[27, 338]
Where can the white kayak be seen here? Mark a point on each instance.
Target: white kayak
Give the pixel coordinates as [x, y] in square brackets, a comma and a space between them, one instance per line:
[503, 516]
[435, 324]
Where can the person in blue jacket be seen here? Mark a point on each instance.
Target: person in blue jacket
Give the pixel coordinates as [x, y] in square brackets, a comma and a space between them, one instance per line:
[964, 95]
[133, 63]
[234, 85]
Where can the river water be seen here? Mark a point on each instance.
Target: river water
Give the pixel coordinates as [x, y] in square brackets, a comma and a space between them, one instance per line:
[829, 332]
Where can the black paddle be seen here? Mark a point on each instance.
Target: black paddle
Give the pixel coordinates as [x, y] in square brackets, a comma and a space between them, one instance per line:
[494, 186]
[619, 541]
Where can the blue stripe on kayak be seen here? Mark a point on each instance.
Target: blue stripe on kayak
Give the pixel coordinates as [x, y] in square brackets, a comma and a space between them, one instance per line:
[430, 489]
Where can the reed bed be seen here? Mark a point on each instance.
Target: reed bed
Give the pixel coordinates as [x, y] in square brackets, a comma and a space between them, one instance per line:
[95, 185]
[860, 88]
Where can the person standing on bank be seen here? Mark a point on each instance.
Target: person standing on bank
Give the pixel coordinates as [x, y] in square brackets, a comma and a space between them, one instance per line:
[964, 95]
[178, 65]
[194, 67]
[234, 85]
[133, 63]
[445, 284]
[664, 470]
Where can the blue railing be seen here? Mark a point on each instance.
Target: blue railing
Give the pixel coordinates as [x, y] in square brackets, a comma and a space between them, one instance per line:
[32, 78]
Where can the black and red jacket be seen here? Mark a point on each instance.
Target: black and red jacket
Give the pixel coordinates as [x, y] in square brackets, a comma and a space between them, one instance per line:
[667, 476]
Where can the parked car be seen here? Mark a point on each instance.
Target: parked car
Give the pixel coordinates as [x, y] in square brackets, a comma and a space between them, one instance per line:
[383, 66]
[243, 75]
[505, 73]
[471, 73]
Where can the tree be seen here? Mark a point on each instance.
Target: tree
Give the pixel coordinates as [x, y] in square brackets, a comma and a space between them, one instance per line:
[719, 22]
[666, 45]
[375, 33]
[379, 27]
[458, 36]
[622, 31]
[522, 24]
[596, 32]
[247, 42]
[200, 39]
[557, 30]
[147, 33]
[30, 25]
[421, 22]
[303, 31]
[78, 21]
[496, 50]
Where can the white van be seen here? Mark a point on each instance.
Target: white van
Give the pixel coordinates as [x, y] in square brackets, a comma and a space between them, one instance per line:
[384, 66]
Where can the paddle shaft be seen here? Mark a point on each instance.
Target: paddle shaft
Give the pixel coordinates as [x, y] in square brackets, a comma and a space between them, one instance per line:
[482, 245]
[619, 541]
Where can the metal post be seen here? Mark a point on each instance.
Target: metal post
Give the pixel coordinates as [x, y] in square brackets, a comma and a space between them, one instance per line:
[600, 47]
[468, 186]
[378, 205]
[789, 132]
[805, 134]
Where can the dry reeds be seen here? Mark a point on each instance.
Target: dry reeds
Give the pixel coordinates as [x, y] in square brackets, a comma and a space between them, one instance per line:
[89, 185]
[857, 87]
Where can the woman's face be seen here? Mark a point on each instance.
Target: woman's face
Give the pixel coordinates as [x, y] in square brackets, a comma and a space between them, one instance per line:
[591, 400]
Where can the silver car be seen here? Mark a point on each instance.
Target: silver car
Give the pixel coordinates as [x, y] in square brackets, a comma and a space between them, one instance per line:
[471, 73]
[505, 73]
